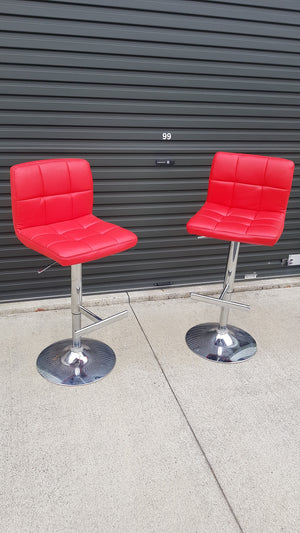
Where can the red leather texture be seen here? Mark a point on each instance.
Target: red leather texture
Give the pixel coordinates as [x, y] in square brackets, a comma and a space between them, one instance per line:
[246, 200]
[52, 203]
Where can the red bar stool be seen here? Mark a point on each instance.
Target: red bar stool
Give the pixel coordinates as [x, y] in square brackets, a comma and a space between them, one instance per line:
[52, 202]
[246, 202]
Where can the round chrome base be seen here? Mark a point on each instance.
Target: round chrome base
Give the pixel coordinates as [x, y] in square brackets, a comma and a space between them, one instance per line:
[223, 345]
[60, 363]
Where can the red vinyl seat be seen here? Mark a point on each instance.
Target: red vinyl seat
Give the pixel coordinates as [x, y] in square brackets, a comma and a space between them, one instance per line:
[246, 200]
[52, 202]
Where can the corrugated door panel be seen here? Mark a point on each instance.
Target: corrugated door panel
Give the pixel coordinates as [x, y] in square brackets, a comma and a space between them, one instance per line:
[124, 83]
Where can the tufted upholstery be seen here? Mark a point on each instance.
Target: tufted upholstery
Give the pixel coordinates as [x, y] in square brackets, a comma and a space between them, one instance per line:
[52, 203]
[246, 200]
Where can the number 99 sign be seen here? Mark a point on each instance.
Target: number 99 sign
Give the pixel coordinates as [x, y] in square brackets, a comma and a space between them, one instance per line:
[166, 136]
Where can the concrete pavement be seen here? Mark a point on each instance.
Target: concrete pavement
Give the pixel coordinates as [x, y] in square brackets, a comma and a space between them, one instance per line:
[167, 442]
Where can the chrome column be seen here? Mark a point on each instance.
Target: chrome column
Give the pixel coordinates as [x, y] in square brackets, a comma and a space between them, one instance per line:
[76, 300]
[229, 281]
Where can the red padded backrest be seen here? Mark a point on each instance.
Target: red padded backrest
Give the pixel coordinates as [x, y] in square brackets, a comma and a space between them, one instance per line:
[250, 181]
[48, 191]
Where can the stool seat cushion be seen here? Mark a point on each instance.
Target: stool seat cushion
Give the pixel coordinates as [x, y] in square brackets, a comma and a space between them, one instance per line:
[79, 240]
[233, 224]
[52, 202]
[246, 200]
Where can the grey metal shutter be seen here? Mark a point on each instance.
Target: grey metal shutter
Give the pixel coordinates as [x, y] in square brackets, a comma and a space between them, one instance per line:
[108, 81]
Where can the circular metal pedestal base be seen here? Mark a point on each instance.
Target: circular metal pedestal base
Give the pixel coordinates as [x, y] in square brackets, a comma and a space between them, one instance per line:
[226, 345]
[61, 364]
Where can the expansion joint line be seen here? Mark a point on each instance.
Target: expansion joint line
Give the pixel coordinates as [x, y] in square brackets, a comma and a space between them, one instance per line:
[186, 419]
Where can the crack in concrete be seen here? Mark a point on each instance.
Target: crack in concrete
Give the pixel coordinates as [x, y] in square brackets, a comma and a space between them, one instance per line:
[187, 420]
